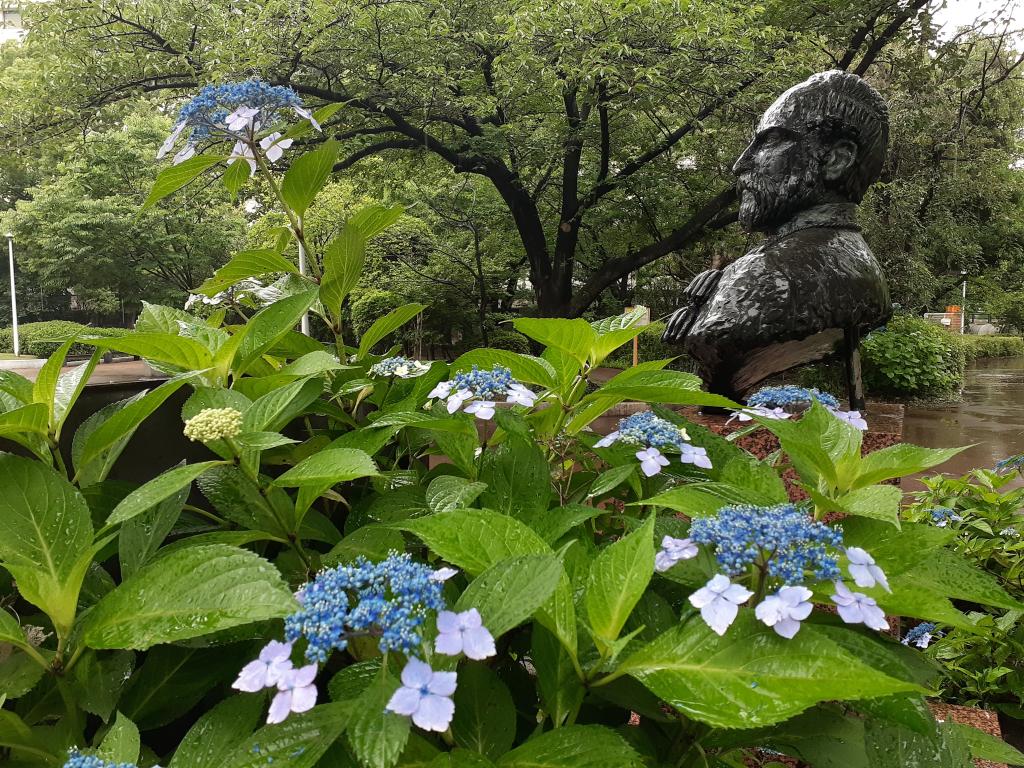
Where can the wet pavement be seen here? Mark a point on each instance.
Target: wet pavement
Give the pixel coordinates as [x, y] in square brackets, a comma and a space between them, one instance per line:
[990, 418]
[119, 372]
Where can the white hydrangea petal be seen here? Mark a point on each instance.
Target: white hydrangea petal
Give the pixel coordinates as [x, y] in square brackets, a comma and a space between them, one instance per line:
[719, 614]
[404, 701]
[434, 713]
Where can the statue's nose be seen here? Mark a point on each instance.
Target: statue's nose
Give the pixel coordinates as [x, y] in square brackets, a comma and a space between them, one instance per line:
[744, 161]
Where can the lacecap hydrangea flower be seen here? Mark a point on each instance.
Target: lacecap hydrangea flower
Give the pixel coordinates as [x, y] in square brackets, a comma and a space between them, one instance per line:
[77, 759]
[943, 516]
[214, 424]
[1010, 464]
[481, 389]
[402, 367]
[236, 112]
[654, 435]
[773, 402]
[390, 601]
[782, 538]
[920, 635]
[781, 543]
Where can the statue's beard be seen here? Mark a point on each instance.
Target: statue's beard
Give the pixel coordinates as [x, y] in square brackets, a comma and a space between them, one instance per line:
[766, 202]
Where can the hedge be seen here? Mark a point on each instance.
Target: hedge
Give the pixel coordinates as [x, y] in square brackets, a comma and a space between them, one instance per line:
[993, 346]
[43, 339]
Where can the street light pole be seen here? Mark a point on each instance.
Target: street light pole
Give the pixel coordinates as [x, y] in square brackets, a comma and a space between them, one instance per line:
[963, 303]
[14, 298]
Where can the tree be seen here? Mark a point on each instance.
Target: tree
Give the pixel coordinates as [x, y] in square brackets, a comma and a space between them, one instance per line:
[81, 228]
[590, 119]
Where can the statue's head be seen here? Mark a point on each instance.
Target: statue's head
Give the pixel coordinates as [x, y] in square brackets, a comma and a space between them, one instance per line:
[822, 141]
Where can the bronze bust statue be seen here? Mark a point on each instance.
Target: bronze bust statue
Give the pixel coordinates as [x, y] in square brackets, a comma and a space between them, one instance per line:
[813, 286]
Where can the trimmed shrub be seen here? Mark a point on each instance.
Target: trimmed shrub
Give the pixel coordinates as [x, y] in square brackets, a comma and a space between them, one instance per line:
[513, 341]
[993, 346]
[913, 357]
[43, 339]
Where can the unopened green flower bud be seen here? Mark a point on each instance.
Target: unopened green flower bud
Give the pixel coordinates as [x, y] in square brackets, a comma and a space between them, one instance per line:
[213, 424]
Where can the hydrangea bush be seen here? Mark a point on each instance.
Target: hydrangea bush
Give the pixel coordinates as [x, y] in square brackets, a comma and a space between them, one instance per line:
[384, 562]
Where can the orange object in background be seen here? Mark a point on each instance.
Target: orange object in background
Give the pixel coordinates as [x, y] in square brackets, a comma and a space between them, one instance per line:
[953, 308]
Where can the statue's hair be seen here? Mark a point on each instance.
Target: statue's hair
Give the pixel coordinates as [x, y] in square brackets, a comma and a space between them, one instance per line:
[842, 105]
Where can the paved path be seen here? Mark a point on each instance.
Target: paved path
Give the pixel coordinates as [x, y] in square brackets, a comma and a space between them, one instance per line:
[109, 373]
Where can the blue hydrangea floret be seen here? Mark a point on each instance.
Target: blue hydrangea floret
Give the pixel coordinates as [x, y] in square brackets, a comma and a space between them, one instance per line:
[654, 435]
[78, 759]
[790, 395]
[481, 390]
[943, 516]
[783, 539]
[1010, 464]
[399, 366]
[920, 635]
[389, 600]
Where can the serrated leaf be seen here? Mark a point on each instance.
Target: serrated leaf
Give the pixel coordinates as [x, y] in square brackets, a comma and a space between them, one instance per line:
[307, 175]
[985, 746]
[17, 736]
[217, 733]
[618, 577]
[121, 743]
[574, 337]
[328, 468]
[274, 410]
[512, 590]
[140, 537]
[161, 487]
[383, 326]
[254, 263]
[269, 326]
[47, 531]
[235, 177]
[899, 461]
[170, 180]
[448, 492]
[188, 593]
[751, 676]
[377, 737]
[573, 746]
[298, 742]
[485, 715]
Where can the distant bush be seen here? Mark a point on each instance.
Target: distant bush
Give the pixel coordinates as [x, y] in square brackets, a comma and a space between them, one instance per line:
[913, 357]
[651, 347]
[510, 340]
[43, 339]
[993, 346]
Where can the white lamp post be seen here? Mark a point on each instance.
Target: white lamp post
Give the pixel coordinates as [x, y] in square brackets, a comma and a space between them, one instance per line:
[963, 305]
[14, 299]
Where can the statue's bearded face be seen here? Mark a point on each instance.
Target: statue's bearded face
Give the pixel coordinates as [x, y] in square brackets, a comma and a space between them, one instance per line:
[779, 175]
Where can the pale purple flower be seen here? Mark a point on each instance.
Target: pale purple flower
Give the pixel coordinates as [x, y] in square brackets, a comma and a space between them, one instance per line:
[185, 153]
[607, 440]
[274, 146]
[748, 414]
[241, 118]
[463, 633]
[242, 151]
[651, 461]
[863, 569]
[784, 610]
[520, 395]
[443, 574]
[296, 693]
[858, 608]
[306, 115]
[482, 409]
[441, 390]
[853, 418]
[456, 399]
[168, 144]
[694, 454]
[719, 601]
[425, 695]
[273, 663]
[672, 551]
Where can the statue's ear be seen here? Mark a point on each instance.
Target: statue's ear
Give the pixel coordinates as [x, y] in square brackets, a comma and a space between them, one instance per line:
[839, 160]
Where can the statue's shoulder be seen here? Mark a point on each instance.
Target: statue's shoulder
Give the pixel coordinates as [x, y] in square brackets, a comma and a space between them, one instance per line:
[813, 250]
